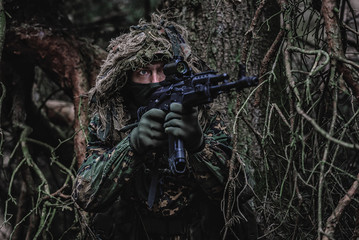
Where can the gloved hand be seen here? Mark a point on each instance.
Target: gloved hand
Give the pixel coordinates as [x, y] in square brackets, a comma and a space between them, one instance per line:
[183, 123]
[149, 134]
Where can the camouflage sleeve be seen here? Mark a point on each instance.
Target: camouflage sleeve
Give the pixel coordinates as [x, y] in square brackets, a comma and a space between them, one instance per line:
[209, 166]
[104, 173]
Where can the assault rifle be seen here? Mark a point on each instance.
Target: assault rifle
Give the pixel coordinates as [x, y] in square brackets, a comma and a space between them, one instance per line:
[183, 86]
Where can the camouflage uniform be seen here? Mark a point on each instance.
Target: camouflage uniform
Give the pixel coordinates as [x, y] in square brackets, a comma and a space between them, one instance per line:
[116, 183]
[110, 172]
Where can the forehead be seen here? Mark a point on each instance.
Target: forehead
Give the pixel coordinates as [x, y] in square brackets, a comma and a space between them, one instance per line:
[154, 65]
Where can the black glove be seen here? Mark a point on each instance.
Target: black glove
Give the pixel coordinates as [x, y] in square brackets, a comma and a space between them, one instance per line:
[149, 134]
[183, 123]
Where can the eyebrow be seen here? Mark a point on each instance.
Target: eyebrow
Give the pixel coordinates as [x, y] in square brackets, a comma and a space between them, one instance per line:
[148, 68]
[141, 69]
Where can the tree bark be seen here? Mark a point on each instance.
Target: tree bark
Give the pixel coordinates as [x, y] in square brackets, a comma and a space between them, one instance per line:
[216, 30]
[335, 44]
[223, 33]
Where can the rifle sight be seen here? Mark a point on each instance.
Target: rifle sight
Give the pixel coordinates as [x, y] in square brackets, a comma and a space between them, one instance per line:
[178, 67]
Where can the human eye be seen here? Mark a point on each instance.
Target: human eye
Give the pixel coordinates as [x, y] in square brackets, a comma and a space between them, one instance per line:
[143, 72]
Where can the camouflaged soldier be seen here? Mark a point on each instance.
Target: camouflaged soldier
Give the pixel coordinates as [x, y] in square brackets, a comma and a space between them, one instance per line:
[125, 176]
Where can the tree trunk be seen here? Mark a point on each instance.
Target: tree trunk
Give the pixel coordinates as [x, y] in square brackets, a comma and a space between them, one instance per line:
[225, 35]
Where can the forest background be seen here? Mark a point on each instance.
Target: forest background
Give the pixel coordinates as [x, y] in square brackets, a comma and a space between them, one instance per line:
[296, 135]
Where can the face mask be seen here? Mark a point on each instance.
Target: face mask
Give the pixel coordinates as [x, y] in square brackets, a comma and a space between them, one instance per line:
[138, 94]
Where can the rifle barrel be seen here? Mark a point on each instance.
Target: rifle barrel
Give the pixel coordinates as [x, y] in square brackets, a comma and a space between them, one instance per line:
[242, 83]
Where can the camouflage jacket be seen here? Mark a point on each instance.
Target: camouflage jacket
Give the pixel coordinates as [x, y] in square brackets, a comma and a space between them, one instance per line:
[112, 172]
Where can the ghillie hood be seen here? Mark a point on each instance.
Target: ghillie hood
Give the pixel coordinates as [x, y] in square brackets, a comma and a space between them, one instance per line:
[145, 43]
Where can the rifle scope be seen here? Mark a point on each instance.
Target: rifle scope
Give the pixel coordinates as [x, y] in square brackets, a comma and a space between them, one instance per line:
[177, 67]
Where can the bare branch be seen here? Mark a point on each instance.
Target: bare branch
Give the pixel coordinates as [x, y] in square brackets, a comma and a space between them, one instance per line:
[334, 218]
